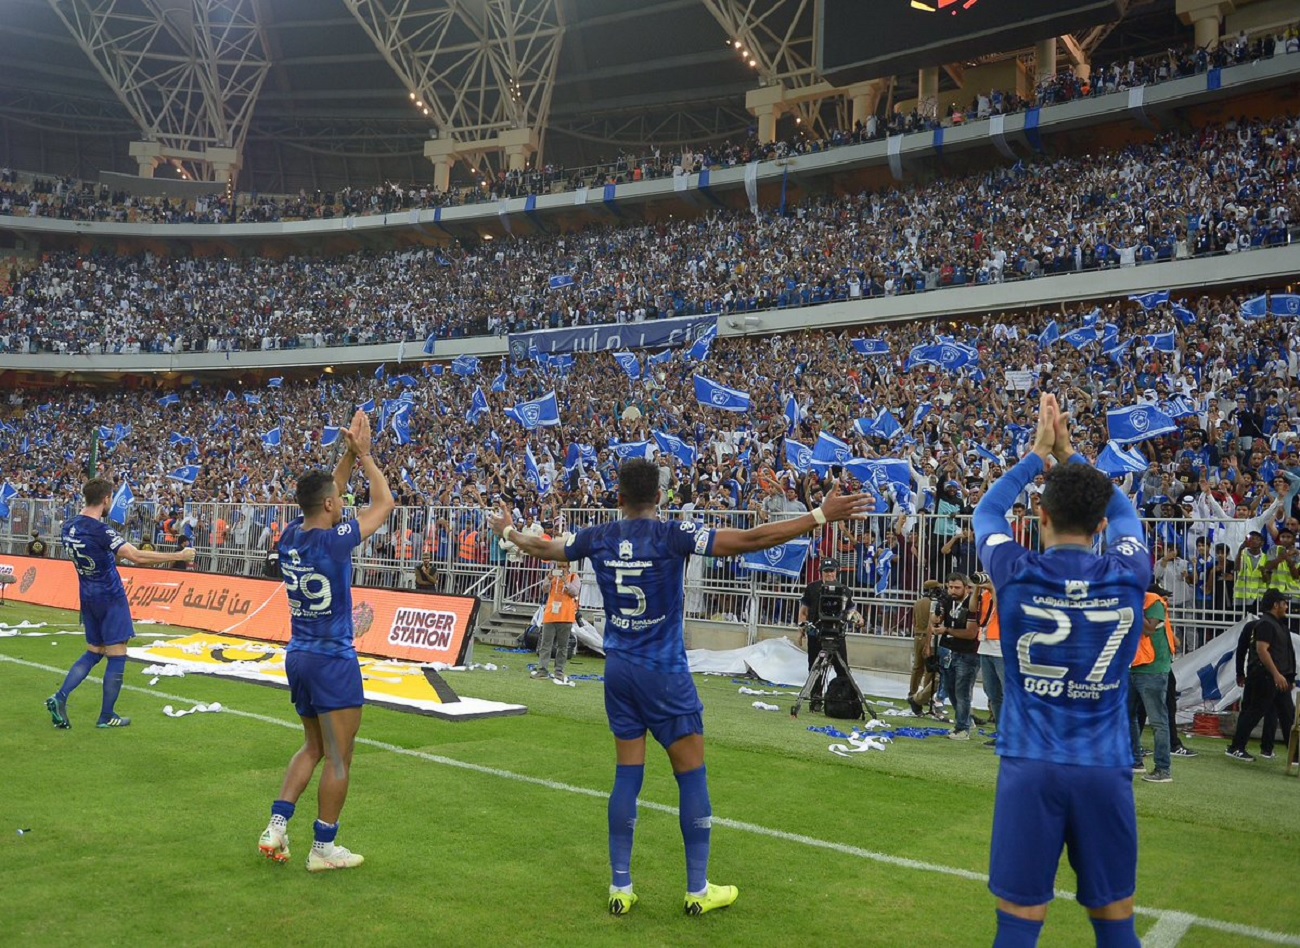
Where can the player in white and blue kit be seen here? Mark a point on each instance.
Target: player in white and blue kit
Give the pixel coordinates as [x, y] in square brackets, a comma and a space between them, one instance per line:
[640, 565]
[1071, 620]
[94, 548]
[321, 661]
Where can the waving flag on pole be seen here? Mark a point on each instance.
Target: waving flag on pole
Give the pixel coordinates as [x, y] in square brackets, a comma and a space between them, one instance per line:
[122, 501]
[464, 365]
[251, 399]
[629, 363]
[1180, 406]
[714, 395]
[276, 382]
[798, 456]
[886, 425]
[1117, 460]
[168, 400]
[1150, 301]
[533, 475]
[186, 475]
[1184, 315]
[1138, 423]
[792, 414]
[272, 438]
[632, 449]
[950, 356]
[699, 352]
[499, 383]
[884, 570]
[176, 438]
[831, 450]
[541, 412]
[402, 423]
[675, 446]
[784, 560]
[1285, 304]
[1256, 308]
[330, 436]
[1051, 333]
[865, 427]
[1083, 336]
[1163, 341]
[478, 406]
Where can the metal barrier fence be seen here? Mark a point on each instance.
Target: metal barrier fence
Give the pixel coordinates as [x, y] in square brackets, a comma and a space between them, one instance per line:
[884, 559]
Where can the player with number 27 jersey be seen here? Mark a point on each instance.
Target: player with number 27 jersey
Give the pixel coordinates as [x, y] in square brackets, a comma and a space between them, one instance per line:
[317, 568]
[640, 568]
[1071, 621]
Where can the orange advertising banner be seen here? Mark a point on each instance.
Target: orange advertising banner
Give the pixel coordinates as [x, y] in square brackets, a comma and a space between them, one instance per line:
[412, 626]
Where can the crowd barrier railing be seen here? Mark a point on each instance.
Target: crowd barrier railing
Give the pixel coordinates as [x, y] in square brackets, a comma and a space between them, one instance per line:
[884, 559]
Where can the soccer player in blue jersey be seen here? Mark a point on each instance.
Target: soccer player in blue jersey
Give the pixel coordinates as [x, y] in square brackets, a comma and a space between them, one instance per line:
[321, 661]
[1071, 620]
[640, 564]
[105, 612]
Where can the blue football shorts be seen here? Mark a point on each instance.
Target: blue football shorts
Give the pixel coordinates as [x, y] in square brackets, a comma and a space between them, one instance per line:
[1042, 807]
[107, 621]
[319, 684]
[640, 699]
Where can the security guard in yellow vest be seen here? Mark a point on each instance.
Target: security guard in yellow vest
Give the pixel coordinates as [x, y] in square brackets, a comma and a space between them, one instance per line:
[1250, 572]
[1282, 568]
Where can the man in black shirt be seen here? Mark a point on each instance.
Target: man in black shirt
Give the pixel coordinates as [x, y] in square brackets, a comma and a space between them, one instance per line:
[810, 609]
[1270, 677]
[958, 624]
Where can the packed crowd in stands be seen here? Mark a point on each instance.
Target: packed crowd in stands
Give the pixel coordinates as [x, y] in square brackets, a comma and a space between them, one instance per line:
[67, 198]
[1222, 189]
[1235, 378]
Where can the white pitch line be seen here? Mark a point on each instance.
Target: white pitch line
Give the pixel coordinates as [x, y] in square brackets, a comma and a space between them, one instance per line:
[1170, 925]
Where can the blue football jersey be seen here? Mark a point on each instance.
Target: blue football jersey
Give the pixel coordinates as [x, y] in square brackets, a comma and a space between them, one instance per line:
[1070, 622]
[641, 569]
[93, 546]
[317, 569]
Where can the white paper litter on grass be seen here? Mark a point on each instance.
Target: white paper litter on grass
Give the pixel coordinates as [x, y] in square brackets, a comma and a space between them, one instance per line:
[758, 693]
[163, 671]
[859, 743]
[197, 709]
[763, 706]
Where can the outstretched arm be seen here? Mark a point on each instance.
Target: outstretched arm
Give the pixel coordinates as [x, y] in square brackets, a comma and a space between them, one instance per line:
[551, 550]
[835, 507]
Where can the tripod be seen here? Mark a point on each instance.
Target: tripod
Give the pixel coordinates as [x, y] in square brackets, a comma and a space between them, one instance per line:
[827, 659]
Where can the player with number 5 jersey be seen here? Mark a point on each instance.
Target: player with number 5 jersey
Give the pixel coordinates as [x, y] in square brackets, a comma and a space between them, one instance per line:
[1071, 620]
[321, 660]
[640, 564]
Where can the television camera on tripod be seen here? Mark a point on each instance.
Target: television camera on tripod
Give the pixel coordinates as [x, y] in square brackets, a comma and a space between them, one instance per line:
[839, 697]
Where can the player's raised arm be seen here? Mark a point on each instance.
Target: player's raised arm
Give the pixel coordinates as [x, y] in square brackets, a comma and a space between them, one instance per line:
[835, 507]
[358, 438]
[991, 512]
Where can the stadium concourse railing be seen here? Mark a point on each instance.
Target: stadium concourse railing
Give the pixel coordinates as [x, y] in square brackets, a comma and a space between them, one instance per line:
[463, 557]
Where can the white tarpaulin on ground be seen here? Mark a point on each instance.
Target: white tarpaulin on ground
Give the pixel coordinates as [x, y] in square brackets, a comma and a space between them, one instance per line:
[1208, 676]
[781, 661]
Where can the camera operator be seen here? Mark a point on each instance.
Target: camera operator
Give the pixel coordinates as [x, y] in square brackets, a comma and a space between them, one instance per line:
[810, 611]
[957, 622]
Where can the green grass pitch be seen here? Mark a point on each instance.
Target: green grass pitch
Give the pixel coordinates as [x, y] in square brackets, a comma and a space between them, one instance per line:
[493, 832]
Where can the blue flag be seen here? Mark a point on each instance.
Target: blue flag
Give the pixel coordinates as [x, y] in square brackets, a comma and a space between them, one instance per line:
[499, 383]
[784, 560]
[792, 414]
[871, 347]
[541, 412]
[176, 438]
[163, 402]
[478, 406]
[464, 365]
[560, 281]
[1151, 300]
[987, 454]
[330, 436]
[798, 456]
[367, 406]
[430, 343]
[230, 396]
[1117, 351]
[1180, 406]
[122, 501]
[632, 449]
[918, 417]
[865, 427]
[533, 475]
[1050, 335]
[1083, 336]
[1184, 315]
[629, 364]
[1117, 460]
[1138, 423]
[887, 425]
[1256, 308]
[407, 381]
[831, 450]
[679, 449]
[186, 475]
[1285, 304]
[1164, 341]
[272, 438]
[950, 356]
[881, 472]
[381, 373]
[402, 424]
[661, 358]
[275, 382]
[409, 482]
[713, 395]
[699, 352]
[251, 399]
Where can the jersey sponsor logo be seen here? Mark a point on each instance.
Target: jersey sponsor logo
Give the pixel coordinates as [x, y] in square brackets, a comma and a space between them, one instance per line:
[1076, 589]
[1129, 546]
[422, 628]
[342, 529]
[687, 526]
[625, 550]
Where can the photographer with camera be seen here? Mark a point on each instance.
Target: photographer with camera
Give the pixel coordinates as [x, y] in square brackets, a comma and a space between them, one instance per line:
[925, 663]
[957, 622]
[811, 610]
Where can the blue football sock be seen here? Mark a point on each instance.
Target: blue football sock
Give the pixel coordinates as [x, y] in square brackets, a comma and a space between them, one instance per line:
[113, 676]
[695, 814]
[77, 674]
[622, 822]
[1121, 933]
[1015, 932]
[325, 832]
[282, 809]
